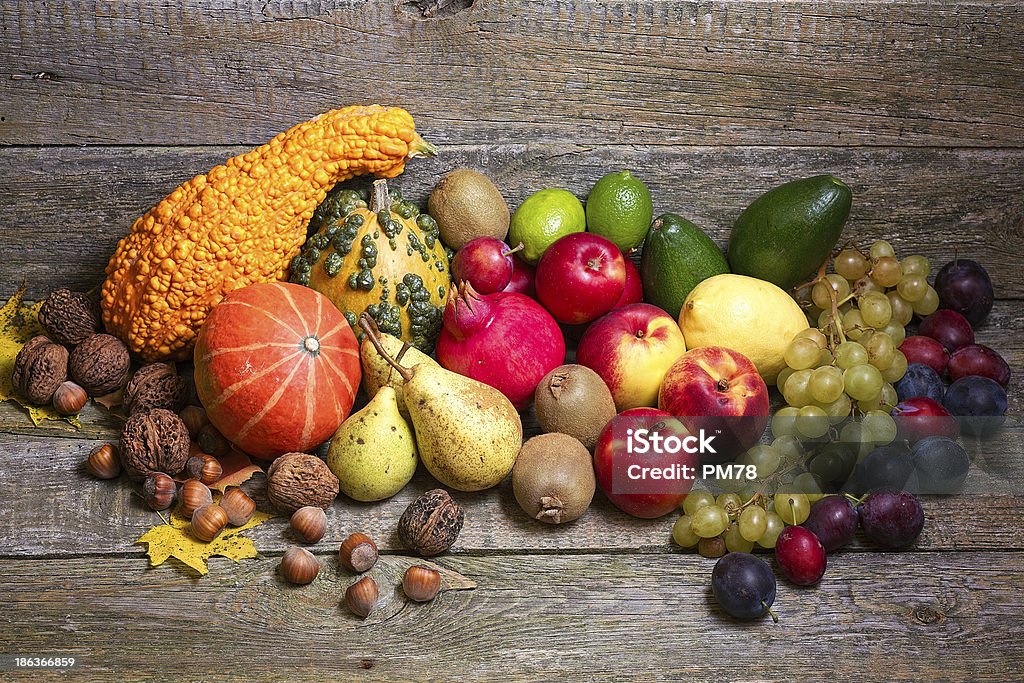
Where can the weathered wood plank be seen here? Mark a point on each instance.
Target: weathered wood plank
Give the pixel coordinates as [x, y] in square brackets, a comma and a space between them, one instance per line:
[225, 72]
[642, 617]
[67, 207]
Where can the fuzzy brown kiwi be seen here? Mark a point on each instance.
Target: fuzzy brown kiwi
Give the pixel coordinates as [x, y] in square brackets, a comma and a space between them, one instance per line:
[466, 204]
[553, 478]
[574, 400]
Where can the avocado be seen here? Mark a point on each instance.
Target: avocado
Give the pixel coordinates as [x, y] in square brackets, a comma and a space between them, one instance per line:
[677, 256]
[787, 233]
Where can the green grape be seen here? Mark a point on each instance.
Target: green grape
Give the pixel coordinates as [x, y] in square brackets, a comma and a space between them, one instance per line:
[863, 382]
[734, 540]
[730, 502]
[784, 373]
[765, 458]
[709, 521]
[731, 484]
[788, 447]
[882, 249]
[826, 358]
[796, 392]
[854, 325]
[850, 264]
[889, 398]
[912, 287]
[839, 409]
[928, 304]
[814, 335]
[854, 435]
[773, 527]
[849, 354]
[753, 522]
[866, 284]
[812, 422]
[886, 271]
[682, 534]
[881, 350]
[826, 384]
[896, 332]
[793, 508]
[711, 547]
[802, 353]
[820, 295]
[823, 321]
[902, 311]
[875, 309]
[695, 500]
[894, 373]
[916, 265]
[784, 421]
[880, 425]
[870, 404]
[809, 485]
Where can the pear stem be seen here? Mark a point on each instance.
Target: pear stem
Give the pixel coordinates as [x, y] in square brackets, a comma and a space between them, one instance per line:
[366, 322]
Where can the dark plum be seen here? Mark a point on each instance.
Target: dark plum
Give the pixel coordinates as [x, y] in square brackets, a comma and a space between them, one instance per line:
[800, 555]
[891, 519]
[485, 263]
[919, 417]
[925, 350]
[920, 380]
[949, 328]
[980, 360]
[833, 520]
[744, 586]
[941, 465]
[964, 286]
[885, 467]
[979, 403]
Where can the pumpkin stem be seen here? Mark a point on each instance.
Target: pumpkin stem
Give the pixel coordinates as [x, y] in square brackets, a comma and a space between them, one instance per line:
[381, 199]
[370, 328]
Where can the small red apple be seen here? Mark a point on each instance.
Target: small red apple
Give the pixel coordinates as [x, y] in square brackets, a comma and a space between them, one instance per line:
[920, 416]
[580, 277]
[620, 467]
[486, 263]
[717, 390]
[633, 292]
[632, 348]
[521, 281]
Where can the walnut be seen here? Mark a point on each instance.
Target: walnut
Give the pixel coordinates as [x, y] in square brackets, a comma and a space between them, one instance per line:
[154, 441]
[296, 480]
[39, 368]
[156, 385]
[69, 317]
[431, 523]
[100, 364]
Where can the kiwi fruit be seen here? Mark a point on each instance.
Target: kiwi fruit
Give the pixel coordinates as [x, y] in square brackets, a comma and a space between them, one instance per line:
[574, 400]
[467, 205]
[553, 478]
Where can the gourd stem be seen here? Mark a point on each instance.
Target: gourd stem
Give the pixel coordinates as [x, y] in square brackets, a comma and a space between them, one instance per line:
[369, 327]
[381, 198]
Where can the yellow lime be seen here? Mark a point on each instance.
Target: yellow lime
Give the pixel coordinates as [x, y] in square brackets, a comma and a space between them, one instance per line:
[744, 314]
[544, 217]
[619, 208]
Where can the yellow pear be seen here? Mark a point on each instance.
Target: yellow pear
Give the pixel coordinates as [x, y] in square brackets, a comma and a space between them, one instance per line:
[377, 372]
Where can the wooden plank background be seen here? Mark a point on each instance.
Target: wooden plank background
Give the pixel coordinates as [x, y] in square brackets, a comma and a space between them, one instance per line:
[106, 106]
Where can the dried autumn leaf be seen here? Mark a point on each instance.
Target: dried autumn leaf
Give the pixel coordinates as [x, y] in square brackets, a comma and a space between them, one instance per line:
[19, 322]
[237, 467]
[174, 539]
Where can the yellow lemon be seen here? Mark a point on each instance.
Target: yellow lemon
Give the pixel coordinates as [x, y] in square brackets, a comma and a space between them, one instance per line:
[744, 314]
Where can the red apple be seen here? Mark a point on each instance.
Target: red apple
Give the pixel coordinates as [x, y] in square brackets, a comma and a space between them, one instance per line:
[719, 391]
[632, 348]
[485, 263]
[633, 292]
[580, 277]
[921, 349]
[921, 416]
[620, 468]
[521, 281]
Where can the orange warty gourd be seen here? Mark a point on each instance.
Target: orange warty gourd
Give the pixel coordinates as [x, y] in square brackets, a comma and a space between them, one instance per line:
[241, 223]
[277, 368]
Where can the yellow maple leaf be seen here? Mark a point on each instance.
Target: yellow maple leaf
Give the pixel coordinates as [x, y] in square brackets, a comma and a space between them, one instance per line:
[174, 539]
[19, 322]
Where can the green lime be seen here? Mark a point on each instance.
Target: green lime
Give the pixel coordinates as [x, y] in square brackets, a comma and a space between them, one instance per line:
[619, 208]
[544, 217]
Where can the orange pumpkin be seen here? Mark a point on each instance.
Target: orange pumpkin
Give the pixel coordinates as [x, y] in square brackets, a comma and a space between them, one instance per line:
[277, 368]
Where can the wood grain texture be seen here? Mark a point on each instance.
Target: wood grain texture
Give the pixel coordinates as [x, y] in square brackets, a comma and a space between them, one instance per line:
[798, 72]
[642, 617]
[68, 207]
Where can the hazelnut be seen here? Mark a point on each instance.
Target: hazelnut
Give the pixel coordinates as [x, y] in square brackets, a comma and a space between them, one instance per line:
[69, 317]
[156, 385]
[100, 364]
[309, 523]
[421, 583]
[159, 491]
[203, 467]
[194, 495]
[238, 505]
[358, 553]
[211, 441]
[295, 480]
[361, 596]
[299, 566]
[208, 521]
[39, 369]
[431, 523]
[154, 441]
[69, 399]
[103, 462]
[194, 418]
